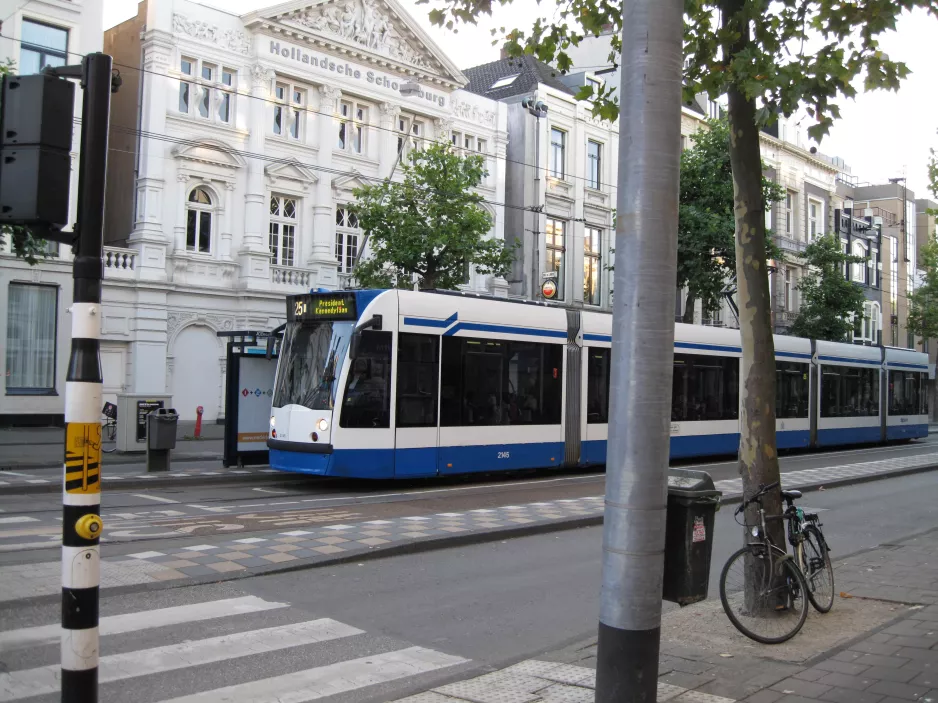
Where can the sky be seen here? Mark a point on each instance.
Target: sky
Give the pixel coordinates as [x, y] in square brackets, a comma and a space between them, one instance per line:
[880, 135]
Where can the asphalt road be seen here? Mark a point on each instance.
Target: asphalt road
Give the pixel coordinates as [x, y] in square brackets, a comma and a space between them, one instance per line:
[486, 604]
[151, 518]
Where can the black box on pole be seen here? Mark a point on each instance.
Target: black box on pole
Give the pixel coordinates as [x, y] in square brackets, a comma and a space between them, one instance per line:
[36, 125]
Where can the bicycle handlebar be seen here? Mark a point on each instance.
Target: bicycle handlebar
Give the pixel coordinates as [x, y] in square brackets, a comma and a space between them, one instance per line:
[761, 492]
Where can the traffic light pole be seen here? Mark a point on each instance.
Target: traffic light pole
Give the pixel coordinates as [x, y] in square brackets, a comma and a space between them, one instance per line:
[642, 353]
[81, 522]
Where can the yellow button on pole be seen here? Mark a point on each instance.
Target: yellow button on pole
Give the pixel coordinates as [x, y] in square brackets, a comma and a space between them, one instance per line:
[89, 526]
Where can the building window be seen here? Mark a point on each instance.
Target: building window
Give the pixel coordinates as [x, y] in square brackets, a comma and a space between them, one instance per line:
[815, 217]
[858, 270]
[868, 328]
[455, 138]
[558, 148]
[289, 108]
[185, 87]
[790, 202]
[597, 86]
[199, 221]
[346, 239]
[42, 45]
[283, 213]
[224, 96]
[592, 251]
[554, 231]
[206, 90]
[410, 134]
[354, 117]
[31, 326]
[789, 290]
[482, 146]
[594, 155]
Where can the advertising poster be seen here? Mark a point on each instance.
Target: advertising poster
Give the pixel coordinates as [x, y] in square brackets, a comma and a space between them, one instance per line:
[254, 401]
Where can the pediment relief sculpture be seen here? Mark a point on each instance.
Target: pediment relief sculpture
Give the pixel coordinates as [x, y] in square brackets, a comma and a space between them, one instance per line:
[362, 22]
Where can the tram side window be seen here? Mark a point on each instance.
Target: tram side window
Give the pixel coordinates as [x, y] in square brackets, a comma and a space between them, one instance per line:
[848, 391]
[791, 389]
[908, 393]
[705, 388]
[597, 386]
[498, 382]
[367, 399]
[417, 377]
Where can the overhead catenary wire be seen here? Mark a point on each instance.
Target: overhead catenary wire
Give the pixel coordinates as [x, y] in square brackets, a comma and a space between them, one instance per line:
[308, 110]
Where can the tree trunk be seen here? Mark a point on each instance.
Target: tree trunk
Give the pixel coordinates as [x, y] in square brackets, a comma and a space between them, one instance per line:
[758, 459]
[689, 309]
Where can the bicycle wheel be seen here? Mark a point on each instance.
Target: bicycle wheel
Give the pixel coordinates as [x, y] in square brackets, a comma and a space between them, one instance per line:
[108, 437]
[818, 572]
[774, 608]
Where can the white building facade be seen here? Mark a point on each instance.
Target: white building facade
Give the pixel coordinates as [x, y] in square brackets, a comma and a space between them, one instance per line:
[236, 144]
[560, 195]
[34, 299]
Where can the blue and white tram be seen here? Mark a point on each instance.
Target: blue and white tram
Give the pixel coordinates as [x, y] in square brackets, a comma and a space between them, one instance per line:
[402, 384]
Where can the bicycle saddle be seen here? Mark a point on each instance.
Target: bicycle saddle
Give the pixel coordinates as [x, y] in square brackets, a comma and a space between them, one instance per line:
[791, 495]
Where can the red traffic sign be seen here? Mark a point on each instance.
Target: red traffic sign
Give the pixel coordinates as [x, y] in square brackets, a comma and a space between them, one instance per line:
[549, 289]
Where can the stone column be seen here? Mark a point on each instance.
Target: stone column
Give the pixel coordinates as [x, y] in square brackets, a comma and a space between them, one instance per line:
[387, 137]
[322, 262]
[254, 255]
[225, 226]
[150, 237]
[182, 193]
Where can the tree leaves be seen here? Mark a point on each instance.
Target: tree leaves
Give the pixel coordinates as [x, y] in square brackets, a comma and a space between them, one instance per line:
[706, 248]
[431, 224]
[829, 302]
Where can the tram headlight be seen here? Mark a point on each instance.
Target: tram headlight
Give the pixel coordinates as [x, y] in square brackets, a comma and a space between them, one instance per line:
[323, 425]
[273, 421]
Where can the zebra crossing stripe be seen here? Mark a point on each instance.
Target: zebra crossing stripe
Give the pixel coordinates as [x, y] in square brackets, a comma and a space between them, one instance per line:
[42, 680]
[312, 684]
[133, 622]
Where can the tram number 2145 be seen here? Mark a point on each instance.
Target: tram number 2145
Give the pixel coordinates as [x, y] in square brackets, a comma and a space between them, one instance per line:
[504, 455]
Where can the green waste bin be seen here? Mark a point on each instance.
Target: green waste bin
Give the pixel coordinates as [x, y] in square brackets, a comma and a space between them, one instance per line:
[692, 504]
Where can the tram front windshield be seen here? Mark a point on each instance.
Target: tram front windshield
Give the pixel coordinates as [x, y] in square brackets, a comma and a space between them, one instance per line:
[311, 358]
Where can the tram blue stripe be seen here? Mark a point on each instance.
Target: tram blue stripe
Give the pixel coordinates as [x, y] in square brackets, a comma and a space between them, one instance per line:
[598, 337]
[708, 347]
[906, 431]
[426, 322]
[844, 359]
[503, 329]
[917, 367]
[793, 355]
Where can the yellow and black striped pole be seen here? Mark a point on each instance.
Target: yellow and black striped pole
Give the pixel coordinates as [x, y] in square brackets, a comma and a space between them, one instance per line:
[81, 496]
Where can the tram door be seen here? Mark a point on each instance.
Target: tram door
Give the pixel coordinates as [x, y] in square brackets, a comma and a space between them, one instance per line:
[418, 398]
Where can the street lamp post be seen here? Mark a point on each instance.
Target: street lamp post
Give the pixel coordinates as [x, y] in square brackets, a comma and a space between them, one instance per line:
[642, 353]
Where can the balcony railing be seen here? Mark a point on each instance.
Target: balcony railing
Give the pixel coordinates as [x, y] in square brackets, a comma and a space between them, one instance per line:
[119, 263]
[789, 244]
[290, 277]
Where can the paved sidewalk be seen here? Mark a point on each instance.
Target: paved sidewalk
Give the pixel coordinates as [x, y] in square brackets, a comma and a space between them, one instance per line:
[894, 662]
[890, 663]
[134, 476]
[300, 545]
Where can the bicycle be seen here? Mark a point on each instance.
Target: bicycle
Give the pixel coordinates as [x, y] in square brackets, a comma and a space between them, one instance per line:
[811, 552]
[109, 428]
[762, 590]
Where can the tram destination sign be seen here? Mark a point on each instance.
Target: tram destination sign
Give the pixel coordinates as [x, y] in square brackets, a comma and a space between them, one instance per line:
[322, 306]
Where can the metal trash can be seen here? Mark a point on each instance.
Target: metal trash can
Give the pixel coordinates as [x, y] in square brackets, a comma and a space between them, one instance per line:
[692, 504]
[161, 438]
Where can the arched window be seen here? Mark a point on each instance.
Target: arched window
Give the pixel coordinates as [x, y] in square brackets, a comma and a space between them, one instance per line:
[199, 221]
